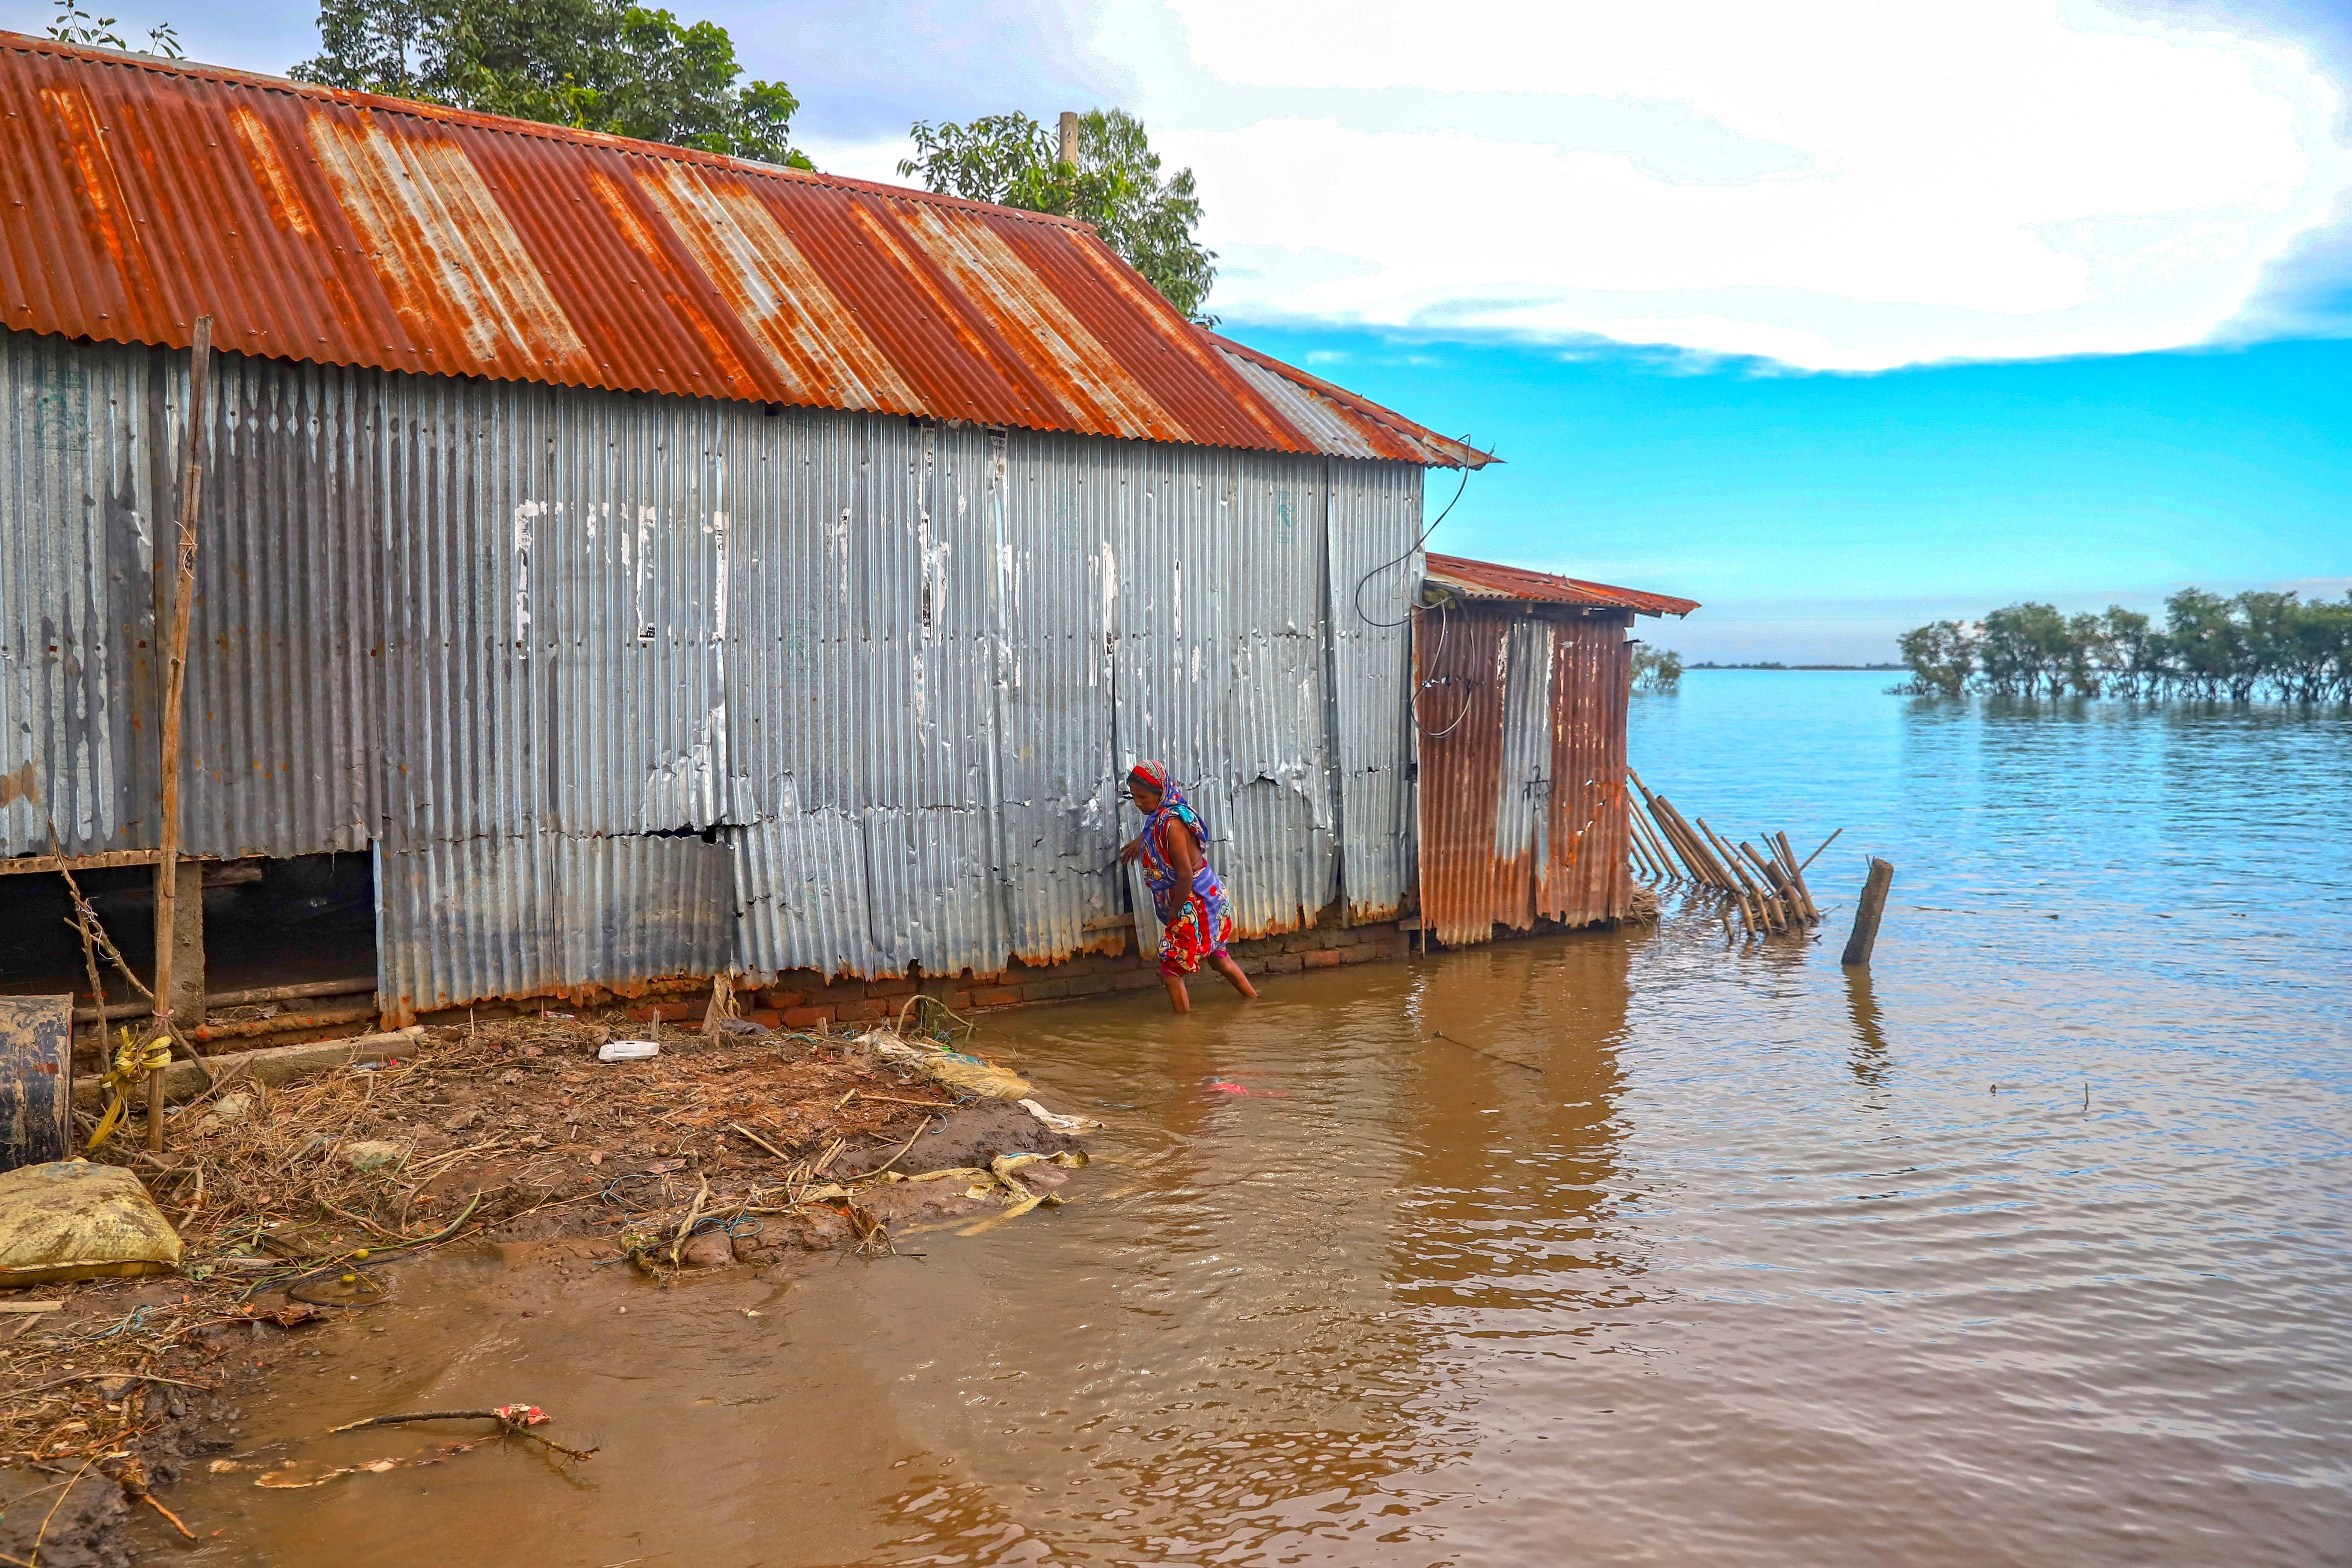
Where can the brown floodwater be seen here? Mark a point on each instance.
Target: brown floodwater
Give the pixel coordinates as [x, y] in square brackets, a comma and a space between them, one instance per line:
[1766, 1264]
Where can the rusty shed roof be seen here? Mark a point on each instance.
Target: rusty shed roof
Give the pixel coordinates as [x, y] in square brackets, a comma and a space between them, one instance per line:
[314, 224]
[1492, 580]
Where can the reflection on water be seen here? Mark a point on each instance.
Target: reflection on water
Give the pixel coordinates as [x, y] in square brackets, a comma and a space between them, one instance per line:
[1754, 1271]
[1869, 1037]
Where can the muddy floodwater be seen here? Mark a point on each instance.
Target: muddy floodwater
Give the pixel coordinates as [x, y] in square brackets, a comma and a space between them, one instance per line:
[2030, 1248]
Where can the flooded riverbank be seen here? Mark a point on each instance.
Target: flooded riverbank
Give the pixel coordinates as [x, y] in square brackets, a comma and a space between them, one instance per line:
[1761, 1266]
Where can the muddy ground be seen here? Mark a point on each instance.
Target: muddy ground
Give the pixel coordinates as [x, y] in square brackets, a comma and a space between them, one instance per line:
[739, 1149]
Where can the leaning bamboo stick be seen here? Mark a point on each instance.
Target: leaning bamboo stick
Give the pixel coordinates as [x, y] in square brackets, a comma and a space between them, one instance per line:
[1665, 835]
[1718, 872]
[1776, 887]
[175, 682]
[1731, 858]
[1774, 879]
[1797, 875]
[1649, 833]
[1660, 839]
[1640, 859]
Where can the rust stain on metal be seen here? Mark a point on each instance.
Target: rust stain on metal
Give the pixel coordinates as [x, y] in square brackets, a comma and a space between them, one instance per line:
[1492, 580]
[353, 230]
[685, 303]
[106, 204]
[287, 207]
[443, 246]
[1523, 798]
[810, 336]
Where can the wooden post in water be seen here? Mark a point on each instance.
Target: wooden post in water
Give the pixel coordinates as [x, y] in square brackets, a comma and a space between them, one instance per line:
[1866, 914]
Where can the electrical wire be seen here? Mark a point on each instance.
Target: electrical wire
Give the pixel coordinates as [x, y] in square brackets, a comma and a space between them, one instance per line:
[1444, 627]
[1411, 550]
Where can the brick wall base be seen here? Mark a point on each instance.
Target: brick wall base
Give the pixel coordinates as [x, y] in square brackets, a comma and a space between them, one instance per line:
[804, 999]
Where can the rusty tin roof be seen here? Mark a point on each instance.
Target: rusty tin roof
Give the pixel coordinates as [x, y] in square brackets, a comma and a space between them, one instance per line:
[1492, 580]
[314, 224]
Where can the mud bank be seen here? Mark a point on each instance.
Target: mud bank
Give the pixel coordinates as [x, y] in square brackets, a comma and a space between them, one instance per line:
[301, 1202]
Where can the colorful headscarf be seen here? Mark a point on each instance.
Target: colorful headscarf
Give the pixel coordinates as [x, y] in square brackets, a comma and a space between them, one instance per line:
[1172, 796]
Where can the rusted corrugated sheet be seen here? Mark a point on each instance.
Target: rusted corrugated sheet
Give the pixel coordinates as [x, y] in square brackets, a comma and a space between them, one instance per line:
[1461, 671]
[354, 230]
[1522, 770]
[1488, 580]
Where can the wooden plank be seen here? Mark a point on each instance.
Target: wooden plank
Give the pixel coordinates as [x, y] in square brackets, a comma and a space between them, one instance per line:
[36, 1079]
[24, 863]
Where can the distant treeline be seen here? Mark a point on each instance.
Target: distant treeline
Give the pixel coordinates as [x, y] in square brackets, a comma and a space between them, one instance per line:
[2257, 644]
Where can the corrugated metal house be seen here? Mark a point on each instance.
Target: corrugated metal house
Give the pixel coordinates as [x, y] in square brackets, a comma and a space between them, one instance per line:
[1521, 683]
[659, 562]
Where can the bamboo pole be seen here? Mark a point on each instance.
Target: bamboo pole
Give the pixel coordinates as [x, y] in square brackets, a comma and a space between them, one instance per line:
[1731, 858]
[1777, 880]
[1639, 859]
[1797, 875]
[1659, 831]
[1718, 872]
[1656, 842]
[175, 680]
[1662, 825]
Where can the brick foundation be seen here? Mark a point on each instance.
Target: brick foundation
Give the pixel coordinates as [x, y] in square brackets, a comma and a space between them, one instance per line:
[804, 1000]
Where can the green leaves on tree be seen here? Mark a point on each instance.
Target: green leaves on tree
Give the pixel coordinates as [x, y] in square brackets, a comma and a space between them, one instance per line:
[1116, 184]
[2294, 648]
[593, 65]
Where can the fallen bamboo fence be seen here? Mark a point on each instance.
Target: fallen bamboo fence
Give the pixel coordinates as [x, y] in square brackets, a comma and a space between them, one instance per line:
[1765, 887]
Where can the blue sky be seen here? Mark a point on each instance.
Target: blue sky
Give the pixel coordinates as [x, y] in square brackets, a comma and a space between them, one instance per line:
[1836, 315]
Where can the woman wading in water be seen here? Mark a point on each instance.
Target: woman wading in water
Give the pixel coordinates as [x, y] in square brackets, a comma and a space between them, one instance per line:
[1194, 921]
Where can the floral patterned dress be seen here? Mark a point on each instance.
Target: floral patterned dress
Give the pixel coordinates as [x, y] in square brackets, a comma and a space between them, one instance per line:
[1186, 941]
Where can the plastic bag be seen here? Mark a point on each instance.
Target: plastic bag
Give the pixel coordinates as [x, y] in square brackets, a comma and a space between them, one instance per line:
[953, 1068]
[1068, 1126]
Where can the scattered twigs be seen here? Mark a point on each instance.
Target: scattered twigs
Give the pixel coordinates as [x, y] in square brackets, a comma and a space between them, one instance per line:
[902, 1151]
[762, 1142]
[374, 1256]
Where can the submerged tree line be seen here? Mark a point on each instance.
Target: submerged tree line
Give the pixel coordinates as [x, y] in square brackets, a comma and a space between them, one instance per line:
[2280, 646]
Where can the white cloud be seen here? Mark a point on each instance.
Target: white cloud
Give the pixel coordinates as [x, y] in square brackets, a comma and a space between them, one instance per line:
[1838, 185]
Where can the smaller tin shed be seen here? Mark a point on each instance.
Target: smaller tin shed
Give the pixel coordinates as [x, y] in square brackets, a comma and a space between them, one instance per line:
[1521, 684]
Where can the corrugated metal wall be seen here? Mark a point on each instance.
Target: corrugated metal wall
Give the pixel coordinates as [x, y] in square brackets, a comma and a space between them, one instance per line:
[1523, 770]
[79, 503]
[519, 638]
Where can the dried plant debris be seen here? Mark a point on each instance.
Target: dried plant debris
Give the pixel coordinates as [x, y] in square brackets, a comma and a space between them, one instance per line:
[297, 1202]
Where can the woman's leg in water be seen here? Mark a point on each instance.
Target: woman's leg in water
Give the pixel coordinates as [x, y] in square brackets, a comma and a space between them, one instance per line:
[1223, 963]
[1177, 996]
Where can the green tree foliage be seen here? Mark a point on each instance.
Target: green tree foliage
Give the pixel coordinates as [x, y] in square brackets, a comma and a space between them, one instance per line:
[595, 65]
[1942, 656]
[1116, 184]
[1657, 669]
[2257, 644]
